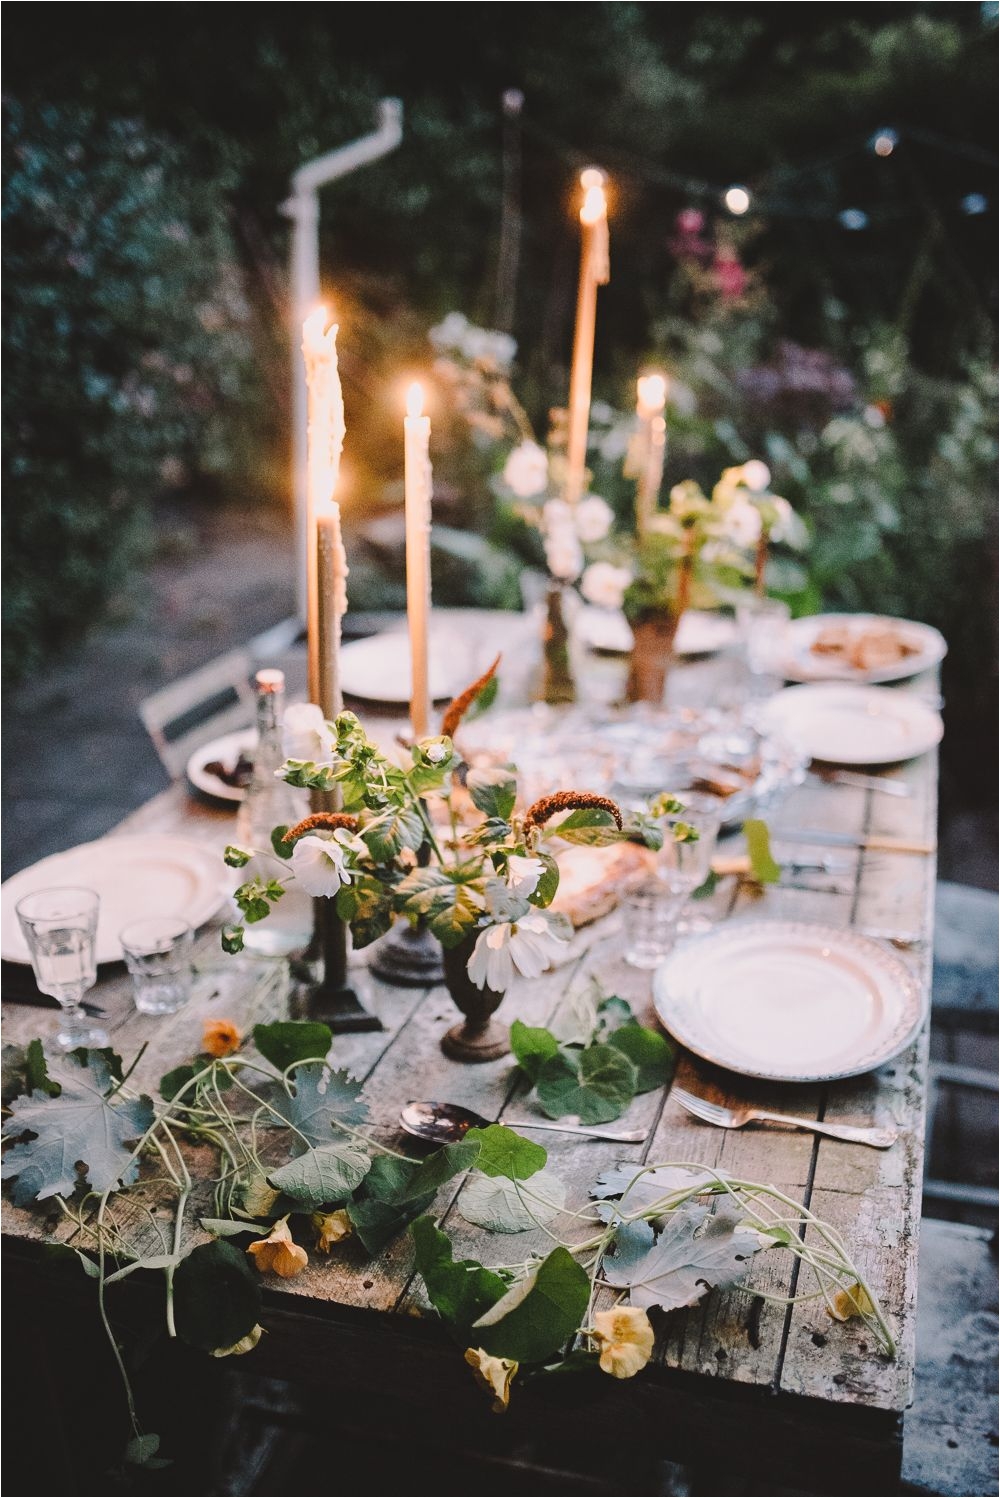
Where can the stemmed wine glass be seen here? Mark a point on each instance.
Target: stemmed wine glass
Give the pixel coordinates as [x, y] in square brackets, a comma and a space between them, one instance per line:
[60, 927]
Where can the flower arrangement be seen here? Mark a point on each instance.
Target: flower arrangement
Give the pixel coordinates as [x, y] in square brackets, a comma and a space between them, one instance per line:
[423, 836]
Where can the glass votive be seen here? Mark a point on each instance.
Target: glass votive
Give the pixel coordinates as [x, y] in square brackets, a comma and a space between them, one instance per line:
[157, 952]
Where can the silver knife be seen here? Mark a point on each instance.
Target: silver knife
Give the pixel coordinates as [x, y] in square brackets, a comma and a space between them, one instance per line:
[873, 841]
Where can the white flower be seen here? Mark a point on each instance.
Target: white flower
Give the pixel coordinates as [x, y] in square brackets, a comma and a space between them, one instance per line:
[436, 753]
[564, 558]
[503, 902]
[593, 518]
[320, 864]
[614, 443]
[523, 874]
[451, 332]
[787, 526]
[756, 475]
[604, 584]
[873, 417]
[601, 413]
[305, 734]
[525, 946]
[526, 470]
[484, 346]
[741, 523]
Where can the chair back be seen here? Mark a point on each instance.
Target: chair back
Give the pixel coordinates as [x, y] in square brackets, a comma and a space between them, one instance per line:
[216, 699]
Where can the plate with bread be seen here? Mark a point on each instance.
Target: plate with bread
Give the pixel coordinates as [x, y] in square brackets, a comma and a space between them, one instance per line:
[865, 648]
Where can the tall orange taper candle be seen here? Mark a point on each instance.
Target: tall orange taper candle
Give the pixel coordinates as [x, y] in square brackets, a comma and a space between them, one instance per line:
[651, 398]
[595, 270]
[327, 572]
[417, 433]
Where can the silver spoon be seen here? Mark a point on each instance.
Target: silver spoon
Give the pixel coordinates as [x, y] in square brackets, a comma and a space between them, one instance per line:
[444, 1123]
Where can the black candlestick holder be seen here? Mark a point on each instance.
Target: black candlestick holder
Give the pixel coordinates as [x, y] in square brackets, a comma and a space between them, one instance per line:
[329, 996]
[408, 957]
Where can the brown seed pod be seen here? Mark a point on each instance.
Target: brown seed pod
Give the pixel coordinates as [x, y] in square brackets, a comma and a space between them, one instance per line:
[459, 706]
[540, 811]
[324, 821]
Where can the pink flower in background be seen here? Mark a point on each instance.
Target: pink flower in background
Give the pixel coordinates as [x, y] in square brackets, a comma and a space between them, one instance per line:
[689, 242]
[730, 277]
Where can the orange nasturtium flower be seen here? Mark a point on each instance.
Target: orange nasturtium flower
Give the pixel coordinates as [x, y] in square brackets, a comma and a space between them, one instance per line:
[625, 1338]
[278, 1254]
[331, 1227]
[220, 1038]
[495, 1375]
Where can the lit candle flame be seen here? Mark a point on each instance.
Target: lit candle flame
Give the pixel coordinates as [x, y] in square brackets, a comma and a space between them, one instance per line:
[652, 392]
[415, 399]
[595, 205]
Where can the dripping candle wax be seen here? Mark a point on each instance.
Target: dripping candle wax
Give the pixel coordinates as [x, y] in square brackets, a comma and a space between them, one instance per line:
[327, 575]
[651, 399]
[595, 271]
[417, 432]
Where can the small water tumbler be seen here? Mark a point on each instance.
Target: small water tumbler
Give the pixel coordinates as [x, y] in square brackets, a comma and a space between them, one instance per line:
[157, 953]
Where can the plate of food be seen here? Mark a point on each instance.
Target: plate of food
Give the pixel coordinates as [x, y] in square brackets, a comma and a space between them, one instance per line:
[788, 1001]
[221, 769]
[866, 648]
[844, 724]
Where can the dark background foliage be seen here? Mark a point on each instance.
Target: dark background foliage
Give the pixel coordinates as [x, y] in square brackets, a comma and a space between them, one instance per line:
[148, 153]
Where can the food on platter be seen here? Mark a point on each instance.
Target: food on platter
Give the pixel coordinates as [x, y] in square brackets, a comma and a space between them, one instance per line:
[867, 648]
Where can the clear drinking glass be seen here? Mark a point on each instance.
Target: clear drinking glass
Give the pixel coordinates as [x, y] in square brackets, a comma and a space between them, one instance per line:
[763, 630]
[689, 864]
[158, 955]
[60, 927]
[652, 910]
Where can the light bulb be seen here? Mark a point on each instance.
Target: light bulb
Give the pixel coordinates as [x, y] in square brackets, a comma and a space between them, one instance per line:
[736, 199]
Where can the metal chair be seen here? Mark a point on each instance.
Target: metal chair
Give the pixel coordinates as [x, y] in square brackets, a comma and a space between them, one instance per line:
[215, 699]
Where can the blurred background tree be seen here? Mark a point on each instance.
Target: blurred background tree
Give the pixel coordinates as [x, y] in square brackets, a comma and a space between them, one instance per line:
[843, 328]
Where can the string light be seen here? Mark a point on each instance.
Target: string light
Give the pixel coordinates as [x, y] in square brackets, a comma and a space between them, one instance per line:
[885, 142]
[853, 218]
[737, 200]
[973, 203]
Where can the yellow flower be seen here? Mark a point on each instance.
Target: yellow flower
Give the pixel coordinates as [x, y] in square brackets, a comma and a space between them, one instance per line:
[278, 1254]
[495, 1375]
[245, 1344]
[855, 1301]
[625, 1338]
[220, 1038]
[330, 1228]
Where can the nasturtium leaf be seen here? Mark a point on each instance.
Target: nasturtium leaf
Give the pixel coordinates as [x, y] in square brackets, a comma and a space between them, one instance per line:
[502, 1152]
[289, 1041]
[643, 1188]
[538, 1316]
[320, 1099]
[612, 1013]
[235, 857]
[451, 906]
[500, 1205]
[493, 790]
[398, 1181]
[324, 1175]
[216, 1296]
[172, 1082]
[595, 1085]
[650, 1053]
[141, 1452]
[763, 867]
[225, 1227]
[590, 825]
[532, 1045]
[377, 1223]
[82, 1125]
[460, 1290]
[545, 890]
[279, 847]
[232, 939]
[254, 1196]
[688, 1257]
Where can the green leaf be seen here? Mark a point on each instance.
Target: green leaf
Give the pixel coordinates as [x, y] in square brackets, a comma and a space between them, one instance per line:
[225, 1227]
[320, 1099]
[588, 825]
[489, 834]
[279, 847]
[640, 827]
[762, 865]
[323, 1176]
[595, 1085]
[141, 1452]
[24, 1070]
[450, 906]
[395, 828]
[650, 1053]
[216, 1296]
[232, 939]
[532, 1046]
[538, 1316]
[502, 1152]
[288, 1041]
[612, 1012]
[172, 1082]
[707, 887]
[236, 858]
[545, 890]
[367, 905]
[493, 789]
[459, 1290]
[498, 1204]
[83, 1125]
[397, 1181]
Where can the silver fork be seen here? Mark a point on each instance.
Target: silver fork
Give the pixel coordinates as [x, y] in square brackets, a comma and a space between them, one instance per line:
[735, 1118]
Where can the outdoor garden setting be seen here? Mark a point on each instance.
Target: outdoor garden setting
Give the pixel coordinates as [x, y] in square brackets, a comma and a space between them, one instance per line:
[499, 900]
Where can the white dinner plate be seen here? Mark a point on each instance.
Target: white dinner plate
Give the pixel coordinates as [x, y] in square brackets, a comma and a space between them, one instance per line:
[925, 647]
[852, 725]
[225, 750]
[377, 668]
[700, 632]
[788, 1001]
[135, 876]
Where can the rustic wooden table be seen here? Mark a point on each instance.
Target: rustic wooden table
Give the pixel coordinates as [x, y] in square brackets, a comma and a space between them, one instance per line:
[738, 1381]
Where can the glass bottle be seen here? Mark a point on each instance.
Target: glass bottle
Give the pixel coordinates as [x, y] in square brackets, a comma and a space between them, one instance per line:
[270, 802]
